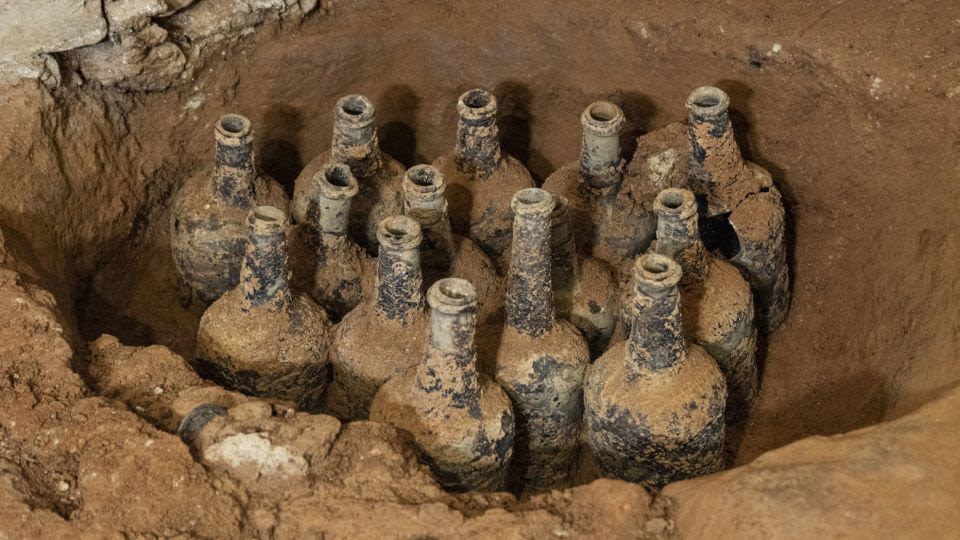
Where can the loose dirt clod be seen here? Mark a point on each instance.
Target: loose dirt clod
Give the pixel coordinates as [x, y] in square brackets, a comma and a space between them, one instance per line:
[541, 359]
[208, 220]
[460, 419]
[480, 178]
[356, 144]
[262, 338]
[655, 404]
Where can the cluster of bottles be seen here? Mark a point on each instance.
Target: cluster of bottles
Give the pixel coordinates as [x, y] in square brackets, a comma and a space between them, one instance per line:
[488, 318]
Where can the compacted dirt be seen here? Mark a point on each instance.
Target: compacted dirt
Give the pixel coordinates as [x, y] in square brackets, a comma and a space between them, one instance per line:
[853, 107]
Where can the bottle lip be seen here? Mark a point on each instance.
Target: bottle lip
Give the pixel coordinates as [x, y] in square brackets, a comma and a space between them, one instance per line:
[602, 118]
[653, 272]
[678, 202]
[354, 110]
[336, 181]
[233, 127]
[267, 221]
[477, 105]
[399, 233]
[532, 202]
[452, 296]
[424, 182]
[708, 102]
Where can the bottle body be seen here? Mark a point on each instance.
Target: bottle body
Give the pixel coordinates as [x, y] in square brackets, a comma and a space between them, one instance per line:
[460, 420]
[208, 216]
[480, 179]
[261, 338]
[383, 336]
[378, 175]
[654, 404]
[744, 192]
[609, 215]
[541, 360]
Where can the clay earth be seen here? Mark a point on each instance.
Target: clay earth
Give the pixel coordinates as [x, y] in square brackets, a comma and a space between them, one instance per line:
[854, 108]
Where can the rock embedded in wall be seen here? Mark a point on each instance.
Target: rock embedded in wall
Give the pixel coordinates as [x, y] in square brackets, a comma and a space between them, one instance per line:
[143, 60]
[221, 19]
[28, 27]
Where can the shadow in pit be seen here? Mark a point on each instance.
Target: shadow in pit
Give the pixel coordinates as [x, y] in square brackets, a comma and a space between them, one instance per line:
[515, 121]
[397, 107]
[280, 133]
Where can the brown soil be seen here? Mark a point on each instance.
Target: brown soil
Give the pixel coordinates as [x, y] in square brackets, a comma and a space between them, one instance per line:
[853, 108]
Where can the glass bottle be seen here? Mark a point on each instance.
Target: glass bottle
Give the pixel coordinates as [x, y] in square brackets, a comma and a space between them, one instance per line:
[262, 338]
[541, 359]
[613, 219]
[654, 404]
[585, 289]
[443, 253]
[383, 336]
[378, 175]
[208, 230]
[325, 261]
[480, 177]
[717, 302]
[459, 418]
[743, 193]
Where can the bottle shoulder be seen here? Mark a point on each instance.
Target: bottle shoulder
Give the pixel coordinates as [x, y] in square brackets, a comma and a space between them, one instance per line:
[556, 360]
[718, 306]
[509, 174]
[367, 341]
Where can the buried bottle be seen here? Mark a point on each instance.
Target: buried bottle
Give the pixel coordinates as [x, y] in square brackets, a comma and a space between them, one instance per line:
[383, 336]
[612, 221]
[717, 302]
[443, 253]
[741, 193]
[378, 175]
[208, 230]
[460, 420]
[541, 359]
[262, 338]
[325, 260]
[584, 288]
[654, 404]
[480, 177]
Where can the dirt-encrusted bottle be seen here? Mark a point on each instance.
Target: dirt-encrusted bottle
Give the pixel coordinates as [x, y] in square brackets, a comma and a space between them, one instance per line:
[541, 359]
[613, 218]
[262, 338]
[585, 289]
[383, 336]
[208, 232]
[460, 419]
[716, 302]
[481, 179]
[324, 260]
[741, 194]
[443, 253]
[355, 143]
[654, 404]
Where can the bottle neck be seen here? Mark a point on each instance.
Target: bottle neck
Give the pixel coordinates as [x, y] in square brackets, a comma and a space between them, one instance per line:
[656, 335]
[265, 273]
[715, 158]
[478, 145]
[234, 170]
[529, 300]
[565, 267]
[438, 248]
[357, 146]
[448, 369]
[331, 215]
[678, 236]
[600, 164]
[399, 282]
